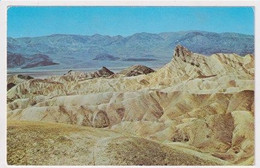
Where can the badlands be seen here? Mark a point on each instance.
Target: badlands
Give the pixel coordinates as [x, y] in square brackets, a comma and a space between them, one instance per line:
[195, 110]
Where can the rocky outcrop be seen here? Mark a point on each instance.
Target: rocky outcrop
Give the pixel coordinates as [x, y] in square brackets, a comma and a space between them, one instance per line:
[10, 85]
[182, 52]
[26, 77]
[100, 119]
[13, 80]
[103, 72]
[78, 75]
[136, 70]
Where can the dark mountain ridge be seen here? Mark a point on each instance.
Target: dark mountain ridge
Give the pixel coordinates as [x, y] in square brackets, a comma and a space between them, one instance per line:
[19, 61]
[84, 48]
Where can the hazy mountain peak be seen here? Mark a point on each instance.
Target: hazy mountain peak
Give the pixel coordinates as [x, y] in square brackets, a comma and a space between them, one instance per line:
[70, 50]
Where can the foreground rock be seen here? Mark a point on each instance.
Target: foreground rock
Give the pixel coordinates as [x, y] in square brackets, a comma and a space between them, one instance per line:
[31, 143]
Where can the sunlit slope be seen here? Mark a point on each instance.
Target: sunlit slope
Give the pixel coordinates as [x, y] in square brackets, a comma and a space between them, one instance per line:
[205, 103]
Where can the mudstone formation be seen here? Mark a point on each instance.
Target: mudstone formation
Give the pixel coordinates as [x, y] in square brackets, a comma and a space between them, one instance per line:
[195, 110]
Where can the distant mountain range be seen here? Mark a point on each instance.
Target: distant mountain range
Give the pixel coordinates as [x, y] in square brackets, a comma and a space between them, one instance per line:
[79, 51]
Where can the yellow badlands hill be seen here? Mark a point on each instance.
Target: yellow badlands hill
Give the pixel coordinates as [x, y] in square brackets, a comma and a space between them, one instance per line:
[196, 110]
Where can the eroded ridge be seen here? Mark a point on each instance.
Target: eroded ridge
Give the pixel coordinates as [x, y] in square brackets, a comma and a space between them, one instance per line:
[203, 106]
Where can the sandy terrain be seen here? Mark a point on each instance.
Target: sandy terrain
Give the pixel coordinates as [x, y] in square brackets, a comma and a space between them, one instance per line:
[196, 110]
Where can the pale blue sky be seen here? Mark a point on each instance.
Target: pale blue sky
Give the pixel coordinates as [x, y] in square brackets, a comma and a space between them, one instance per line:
[39, 21]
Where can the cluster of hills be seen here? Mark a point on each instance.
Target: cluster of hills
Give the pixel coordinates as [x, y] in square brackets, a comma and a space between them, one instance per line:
[36, 60]
[82, 51]
[195, 110]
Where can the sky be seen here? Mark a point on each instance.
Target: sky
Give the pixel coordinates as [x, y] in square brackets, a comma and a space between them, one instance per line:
[125, 21]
